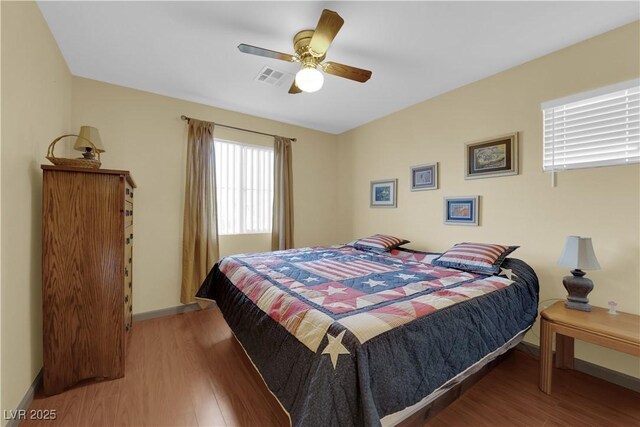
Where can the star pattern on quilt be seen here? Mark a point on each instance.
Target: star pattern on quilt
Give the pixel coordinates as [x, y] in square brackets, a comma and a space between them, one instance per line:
[310, 279]
[333, 290]
[406, 276]
[507, 272]
[374, 283]
[335, 348]
[284, 269]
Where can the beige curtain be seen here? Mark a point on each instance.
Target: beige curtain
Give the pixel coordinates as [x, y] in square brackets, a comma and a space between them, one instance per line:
[200, 230]
[282, 228]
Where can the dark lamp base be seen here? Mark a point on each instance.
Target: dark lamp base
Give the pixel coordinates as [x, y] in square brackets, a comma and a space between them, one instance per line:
[577, 305]
[89, 154]
[578, 287]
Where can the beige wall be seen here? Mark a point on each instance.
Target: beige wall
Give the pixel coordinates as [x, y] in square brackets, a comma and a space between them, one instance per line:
[524, 210]
[143, 133]
[36, 108]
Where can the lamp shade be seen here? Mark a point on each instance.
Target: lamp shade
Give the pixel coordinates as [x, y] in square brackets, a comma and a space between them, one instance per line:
[578, 254]
[90, 133]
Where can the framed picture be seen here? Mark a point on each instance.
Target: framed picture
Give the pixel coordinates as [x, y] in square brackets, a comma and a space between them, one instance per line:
[424, 177]
[383, 193]
[461, 210]
[494, 157]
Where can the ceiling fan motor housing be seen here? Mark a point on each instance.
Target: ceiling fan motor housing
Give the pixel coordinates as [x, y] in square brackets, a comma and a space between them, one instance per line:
[301, 45]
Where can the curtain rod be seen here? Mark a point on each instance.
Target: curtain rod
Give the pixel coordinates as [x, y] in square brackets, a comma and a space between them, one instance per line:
[183, 117]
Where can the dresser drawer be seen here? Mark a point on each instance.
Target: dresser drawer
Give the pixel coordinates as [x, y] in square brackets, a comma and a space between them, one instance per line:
[128, 193]
[128, 306]
[128, 236]
[128, 278]
[128, 214]
[128, 266]
[128, 257]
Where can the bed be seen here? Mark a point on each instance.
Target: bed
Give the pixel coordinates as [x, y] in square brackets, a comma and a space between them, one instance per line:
[343, 336]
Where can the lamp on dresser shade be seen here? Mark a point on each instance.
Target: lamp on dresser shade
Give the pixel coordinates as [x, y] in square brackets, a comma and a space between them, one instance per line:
[578, 254]
[88, 141]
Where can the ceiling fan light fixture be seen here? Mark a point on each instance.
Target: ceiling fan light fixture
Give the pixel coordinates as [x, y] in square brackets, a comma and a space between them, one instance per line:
[310, 48]
[309, 79]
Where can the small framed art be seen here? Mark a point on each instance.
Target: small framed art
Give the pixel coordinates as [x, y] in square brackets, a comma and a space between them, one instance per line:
[494, 157]
[383, 193]
[461, 210]
[424, 177]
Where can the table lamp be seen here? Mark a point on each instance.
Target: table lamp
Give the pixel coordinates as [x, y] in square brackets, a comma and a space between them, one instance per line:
[578, 254]
[88, 133]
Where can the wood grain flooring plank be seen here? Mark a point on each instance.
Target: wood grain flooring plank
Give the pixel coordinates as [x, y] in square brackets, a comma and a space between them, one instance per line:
[585, 387]
[101, 407]
[131, 403]
[68, 406]
[204, 401]
[232, 387]
[228, 376]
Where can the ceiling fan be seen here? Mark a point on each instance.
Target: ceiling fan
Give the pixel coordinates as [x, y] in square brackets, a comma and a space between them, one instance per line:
[310, 50]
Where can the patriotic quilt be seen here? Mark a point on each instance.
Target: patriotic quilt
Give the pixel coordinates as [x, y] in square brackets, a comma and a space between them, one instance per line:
[344, 336]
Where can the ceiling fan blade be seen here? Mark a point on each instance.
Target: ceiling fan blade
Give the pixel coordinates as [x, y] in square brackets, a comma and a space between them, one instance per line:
[346, 71]
[294, 88]
[253, 50]
[328, 26]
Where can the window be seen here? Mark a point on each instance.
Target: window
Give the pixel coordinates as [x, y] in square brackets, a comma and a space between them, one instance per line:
[595, 128]
[244, 185]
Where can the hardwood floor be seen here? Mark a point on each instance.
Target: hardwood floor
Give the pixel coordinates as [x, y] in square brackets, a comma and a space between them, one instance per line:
[509, 396]
[188, 370]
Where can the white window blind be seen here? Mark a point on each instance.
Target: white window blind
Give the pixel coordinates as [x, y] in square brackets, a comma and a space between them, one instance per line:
[591, 129]
[244, 185]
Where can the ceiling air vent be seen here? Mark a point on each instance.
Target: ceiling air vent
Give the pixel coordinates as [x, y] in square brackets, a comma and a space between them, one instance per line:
[272, 76]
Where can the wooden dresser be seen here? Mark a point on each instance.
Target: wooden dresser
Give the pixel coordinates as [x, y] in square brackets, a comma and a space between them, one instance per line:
[87, 259]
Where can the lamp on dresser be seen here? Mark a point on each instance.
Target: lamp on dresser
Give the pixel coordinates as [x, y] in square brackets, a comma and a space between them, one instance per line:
[89, 142]
[578, 255]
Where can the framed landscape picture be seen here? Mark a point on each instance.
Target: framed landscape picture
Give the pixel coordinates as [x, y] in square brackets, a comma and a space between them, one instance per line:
[383, 193]
[494, 157]
[461, 210]
[424, 177]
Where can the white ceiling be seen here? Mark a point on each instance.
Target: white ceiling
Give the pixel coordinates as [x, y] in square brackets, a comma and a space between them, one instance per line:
[416, 50]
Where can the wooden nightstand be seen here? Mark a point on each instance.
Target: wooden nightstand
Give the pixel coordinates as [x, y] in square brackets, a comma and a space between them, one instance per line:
[619, 332]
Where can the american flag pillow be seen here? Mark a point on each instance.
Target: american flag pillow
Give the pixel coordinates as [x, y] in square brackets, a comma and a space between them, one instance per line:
[379, 242]
[475, 257]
